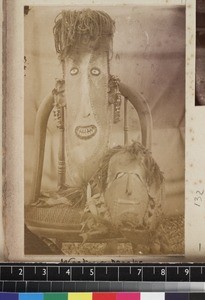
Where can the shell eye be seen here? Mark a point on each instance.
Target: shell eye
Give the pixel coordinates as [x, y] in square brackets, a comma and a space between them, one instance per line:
[119, 175]
[74, 71]
[95, 71]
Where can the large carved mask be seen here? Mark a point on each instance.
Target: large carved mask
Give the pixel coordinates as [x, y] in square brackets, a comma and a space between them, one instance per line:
[83, 40]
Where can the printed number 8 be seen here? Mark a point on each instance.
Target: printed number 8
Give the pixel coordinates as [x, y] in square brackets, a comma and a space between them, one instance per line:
[163, 272]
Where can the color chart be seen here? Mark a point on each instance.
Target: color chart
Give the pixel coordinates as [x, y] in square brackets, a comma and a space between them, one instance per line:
[102, 296]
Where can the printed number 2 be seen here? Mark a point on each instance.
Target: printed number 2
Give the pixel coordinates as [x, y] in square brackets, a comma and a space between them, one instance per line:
[20, 272]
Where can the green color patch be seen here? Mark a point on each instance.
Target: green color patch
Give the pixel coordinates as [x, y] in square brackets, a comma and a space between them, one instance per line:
[56, 296]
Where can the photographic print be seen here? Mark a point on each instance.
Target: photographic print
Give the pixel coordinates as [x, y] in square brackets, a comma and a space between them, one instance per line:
[104, 109]
[200, 52]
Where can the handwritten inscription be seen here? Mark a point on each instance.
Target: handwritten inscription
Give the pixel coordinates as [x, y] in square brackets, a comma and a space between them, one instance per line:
[199, 198]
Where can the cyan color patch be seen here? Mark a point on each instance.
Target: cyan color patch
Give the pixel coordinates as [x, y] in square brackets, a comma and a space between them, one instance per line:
[9, 296]
[31, 296]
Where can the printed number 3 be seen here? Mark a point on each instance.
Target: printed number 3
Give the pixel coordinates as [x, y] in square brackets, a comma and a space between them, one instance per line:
[44, 272]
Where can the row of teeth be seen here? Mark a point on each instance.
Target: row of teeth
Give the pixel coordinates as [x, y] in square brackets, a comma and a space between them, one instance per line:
[85, 130]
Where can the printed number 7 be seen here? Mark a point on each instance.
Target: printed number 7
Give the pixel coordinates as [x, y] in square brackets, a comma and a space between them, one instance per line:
[139, 271]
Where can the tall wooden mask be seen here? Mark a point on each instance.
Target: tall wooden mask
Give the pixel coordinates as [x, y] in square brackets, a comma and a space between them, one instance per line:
[83, 40]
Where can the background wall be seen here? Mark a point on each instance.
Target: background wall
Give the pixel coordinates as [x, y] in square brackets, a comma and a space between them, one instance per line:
[148, 55]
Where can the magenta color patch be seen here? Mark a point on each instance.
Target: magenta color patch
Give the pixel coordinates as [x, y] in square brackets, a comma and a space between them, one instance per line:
[128, 296]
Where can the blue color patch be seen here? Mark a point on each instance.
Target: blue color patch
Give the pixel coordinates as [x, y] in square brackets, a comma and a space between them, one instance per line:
[177, 296]
[8, 296]
[31, 296]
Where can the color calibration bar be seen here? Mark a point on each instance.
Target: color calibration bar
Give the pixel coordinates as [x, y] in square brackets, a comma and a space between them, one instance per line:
[102, 296]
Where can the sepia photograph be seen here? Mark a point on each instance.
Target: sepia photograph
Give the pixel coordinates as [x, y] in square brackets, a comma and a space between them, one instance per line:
[200, 53]
[104, 130]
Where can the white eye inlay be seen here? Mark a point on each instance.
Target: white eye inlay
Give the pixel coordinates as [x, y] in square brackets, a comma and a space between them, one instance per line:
[95, 71]
[119, 175]
[74, 71]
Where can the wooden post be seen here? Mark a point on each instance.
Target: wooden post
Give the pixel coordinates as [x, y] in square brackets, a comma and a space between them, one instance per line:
[125, 122]
[61, 151]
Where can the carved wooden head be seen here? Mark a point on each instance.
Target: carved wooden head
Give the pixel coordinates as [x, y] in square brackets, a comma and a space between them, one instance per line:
[83, 40]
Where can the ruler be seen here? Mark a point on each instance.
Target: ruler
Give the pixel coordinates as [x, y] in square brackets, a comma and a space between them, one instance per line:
[34, 277]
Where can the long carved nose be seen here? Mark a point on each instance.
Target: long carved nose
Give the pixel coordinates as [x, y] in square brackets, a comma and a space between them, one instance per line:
[86, 115]
[85, 102]
[129, 185]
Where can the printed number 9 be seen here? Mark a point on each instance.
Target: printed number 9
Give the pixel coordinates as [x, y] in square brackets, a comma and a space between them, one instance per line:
[186, 271]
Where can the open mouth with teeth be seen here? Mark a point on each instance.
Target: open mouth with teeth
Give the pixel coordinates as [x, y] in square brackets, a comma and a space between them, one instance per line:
[85, 132]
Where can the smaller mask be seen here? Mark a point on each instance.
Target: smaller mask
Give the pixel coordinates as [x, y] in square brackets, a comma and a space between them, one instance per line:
[133, 192]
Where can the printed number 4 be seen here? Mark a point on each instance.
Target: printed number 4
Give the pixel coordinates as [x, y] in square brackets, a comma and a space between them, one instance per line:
[68, 272]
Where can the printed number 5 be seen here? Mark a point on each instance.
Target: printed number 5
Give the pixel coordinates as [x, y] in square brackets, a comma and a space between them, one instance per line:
[91, 272]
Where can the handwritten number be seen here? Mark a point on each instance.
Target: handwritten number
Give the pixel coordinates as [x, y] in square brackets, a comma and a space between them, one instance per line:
[201, 193]
[198, 198]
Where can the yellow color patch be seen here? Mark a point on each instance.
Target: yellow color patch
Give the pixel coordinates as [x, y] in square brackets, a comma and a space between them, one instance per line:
[79, 296]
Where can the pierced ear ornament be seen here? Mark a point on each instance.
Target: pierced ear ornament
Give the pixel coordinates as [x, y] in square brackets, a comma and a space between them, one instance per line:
[115, 97]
